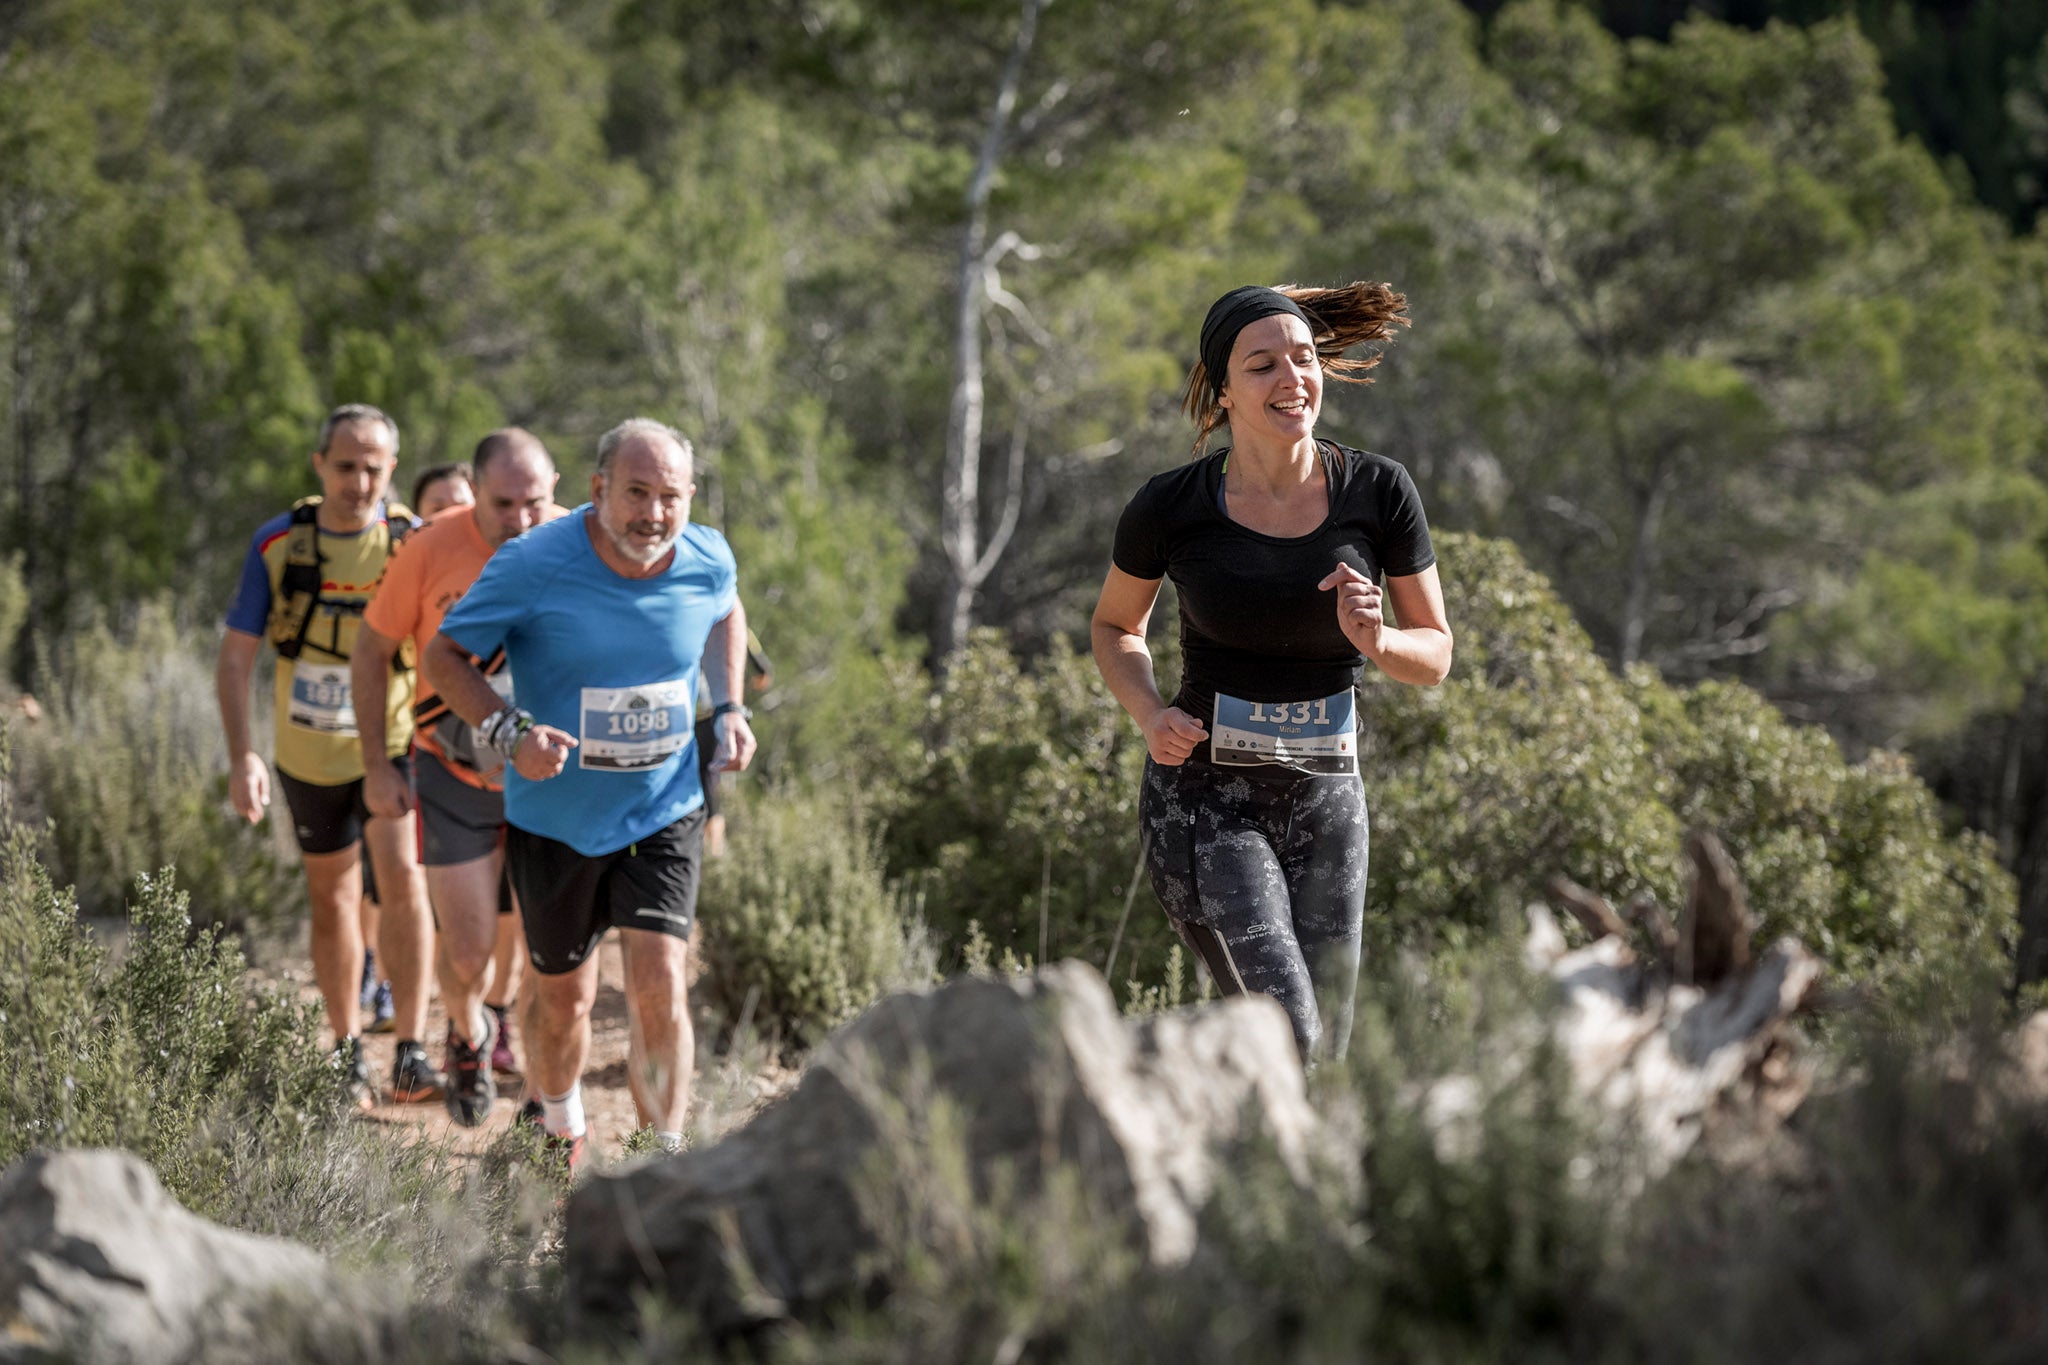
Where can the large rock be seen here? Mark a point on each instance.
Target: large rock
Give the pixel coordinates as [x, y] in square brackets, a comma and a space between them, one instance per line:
[97, 1260]
[1043, 1076]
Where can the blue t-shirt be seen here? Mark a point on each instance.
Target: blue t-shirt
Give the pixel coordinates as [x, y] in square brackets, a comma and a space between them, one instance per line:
[613, 661]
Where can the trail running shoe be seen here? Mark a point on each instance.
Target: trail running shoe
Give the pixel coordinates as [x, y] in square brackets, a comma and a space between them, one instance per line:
[380, 1009]
[567, 1152]
[355, 1072]
[502, 1060]
[413, 1078]
[471, 1091]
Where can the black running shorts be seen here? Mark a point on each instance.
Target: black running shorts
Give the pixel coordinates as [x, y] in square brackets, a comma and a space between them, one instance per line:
[458, 823]
[329, 819]
[568, 900]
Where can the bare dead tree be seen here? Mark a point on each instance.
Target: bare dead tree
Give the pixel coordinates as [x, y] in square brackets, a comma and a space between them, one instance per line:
[970, 560]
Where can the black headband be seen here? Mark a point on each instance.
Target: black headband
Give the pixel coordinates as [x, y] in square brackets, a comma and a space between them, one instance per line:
[1230, 315]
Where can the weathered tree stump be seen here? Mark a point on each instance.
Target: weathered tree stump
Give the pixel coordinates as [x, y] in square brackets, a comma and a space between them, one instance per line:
[1682, 1035]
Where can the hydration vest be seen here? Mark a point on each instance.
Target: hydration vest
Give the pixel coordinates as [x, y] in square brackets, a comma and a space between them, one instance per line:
[426, 713]
[298, 588]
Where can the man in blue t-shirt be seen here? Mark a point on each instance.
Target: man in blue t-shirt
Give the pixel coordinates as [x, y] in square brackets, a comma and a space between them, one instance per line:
[606, 617]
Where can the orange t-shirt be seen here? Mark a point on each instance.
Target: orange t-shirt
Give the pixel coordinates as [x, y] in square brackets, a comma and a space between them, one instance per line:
[430, 572]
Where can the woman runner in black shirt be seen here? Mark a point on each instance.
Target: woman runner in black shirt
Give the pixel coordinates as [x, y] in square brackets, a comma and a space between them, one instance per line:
[1252, 810]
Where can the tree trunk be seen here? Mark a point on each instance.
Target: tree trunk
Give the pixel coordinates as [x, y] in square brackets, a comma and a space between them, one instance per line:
[21, 308]
[2026, 820]
[960, 514]
[1642, 566]
[1679, 1040]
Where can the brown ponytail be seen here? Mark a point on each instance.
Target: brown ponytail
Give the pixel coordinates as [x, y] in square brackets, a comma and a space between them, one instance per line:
[1339, 319]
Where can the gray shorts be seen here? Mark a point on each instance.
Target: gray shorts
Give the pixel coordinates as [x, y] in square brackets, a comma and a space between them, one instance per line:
[458, 823]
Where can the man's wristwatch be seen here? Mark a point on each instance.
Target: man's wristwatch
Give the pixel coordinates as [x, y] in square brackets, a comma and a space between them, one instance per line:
[504, 728]
[731, 708]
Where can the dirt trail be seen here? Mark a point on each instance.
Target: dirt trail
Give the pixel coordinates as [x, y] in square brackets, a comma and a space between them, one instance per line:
[728, 1088]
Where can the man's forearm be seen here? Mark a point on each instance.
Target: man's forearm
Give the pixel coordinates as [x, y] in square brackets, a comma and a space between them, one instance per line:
[461, 684]
[231, 689]
[725, 656]
[369, 672]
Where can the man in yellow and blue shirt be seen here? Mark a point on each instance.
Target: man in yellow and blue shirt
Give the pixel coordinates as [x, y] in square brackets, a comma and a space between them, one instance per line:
[308, 574]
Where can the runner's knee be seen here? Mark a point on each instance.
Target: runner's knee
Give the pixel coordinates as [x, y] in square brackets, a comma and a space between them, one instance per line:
[562, 999]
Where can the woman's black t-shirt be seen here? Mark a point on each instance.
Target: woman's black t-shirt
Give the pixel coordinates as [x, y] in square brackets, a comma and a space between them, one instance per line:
[1252, 622]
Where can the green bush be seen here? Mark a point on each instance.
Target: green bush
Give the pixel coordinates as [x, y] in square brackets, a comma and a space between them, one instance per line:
[1025, 813]
[168, 1052]
[127, 769]
[1533, 759]
[1527, 762]
[161, 1043]
[1850, 858]
[801, 928]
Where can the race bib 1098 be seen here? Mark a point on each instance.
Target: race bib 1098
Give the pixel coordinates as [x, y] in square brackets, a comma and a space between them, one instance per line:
[1319, 736]
[626, 729]
[321, 699]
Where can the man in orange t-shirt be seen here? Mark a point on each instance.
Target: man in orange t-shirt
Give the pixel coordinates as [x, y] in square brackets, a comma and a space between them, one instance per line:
[457, 784]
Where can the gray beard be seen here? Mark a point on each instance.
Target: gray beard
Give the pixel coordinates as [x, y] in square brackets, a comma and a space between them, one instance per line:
[628, 552]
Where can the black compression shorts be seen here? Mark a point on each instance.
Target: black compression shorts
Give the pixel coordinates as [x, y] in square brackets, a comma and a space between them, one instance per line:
[567, 900]
[329, 819]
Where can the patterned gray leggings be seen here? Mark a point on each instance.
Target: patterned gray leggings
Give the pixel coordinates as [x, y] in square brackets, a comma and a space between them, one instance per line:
[1262, 871]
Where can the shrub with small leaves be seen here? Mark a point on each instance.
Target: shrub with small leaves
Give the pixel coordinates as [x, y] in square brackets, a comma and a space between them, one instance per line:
[1535, 760]
[1852, 859]
[801, 928]
[127, 768]
[1527, 762]
[1023, 819]
[168, 1052]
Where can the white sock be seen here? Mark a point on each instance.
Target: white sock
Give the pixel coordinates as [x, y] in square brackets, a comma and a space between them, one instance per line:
[563, 1116]
[668, 1142]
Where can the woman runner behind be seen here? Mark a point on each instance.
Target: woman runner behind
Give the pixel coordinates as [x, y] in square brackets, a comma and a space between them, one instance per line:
[1252, 812]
